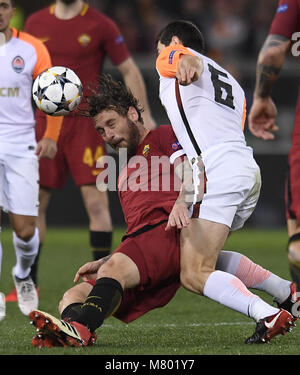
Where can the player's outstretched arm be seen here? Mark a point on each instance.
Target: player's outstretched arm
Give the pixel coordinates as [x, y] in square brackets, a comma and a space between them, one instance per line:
[263, 111]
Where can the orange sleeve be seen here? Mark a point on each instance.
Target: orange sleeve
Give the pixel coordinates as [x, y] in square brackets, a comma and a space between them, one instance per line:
[43, 62]
[43, 59]
[167, 60]
[54, 125]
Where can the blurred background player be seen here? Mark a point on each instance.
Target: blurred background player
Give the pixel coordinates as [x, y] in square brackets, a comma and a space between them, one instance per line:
[80, 37]
[22, 59]
[263, 113]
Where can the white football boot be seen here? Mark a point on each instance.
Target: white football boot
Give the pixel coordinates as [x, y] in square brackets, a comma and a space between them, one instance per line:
[28, 299]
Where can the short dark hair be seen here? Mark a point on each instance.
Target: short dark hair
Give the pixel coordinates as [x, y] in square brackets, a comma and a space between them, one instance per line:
[186, 31]
[112, 95]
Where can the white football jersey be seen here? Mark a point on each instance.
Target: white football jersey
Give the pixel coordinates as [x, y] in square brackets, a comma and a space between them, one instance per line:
[209, 111]
[22, 59]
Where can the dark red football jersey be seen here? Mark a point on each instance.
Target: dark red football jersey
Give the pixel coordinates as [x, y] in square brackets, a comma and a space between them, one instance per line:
[287, 18]
[80, 43]
[147, 184]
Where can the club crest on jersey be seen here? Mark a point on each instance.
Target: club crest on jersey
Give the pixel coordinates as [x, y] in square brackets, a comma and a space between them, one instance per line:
[146, 150]
[175, 146]
[18, 64]
[84, 39]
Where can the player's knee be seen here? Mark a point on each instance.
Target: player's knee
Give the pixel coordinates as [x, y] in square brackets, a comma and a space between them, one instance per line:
[66, 300]
[121, 268]
[194, 277]
[111, 268]
[192, 281]
[96, 209]
[294, 251]
[62, 305]
[25, 232]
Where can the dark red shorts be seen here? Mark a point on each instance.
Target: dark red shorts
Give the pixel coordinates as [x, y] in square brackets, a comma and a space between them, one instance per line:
[292, 188]
[157, 256]
[79, 146]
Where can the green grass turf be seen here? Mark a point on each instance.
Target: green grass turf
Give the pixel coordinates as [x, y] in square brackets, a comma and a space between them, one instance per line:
[188, 325]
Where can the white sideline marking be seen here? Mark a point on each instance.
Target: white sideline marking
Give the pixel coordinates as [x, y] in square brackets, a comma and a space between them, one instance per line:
[150, 325]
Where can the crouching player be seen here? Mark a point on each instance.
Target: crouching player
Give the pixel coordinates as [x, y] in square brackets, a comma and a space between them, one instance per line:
[143, 273]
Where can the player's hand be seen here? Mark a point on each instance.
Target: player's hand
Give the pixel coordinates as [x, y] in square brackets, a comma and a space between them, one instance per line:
[261, 119]
[189, 69]
[46, 148]
[179, 216]
[88, 271]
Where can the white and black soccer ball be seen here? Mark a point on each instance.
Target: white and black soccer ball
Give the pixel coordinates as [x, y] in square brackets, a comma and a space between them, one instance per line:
[57, 91]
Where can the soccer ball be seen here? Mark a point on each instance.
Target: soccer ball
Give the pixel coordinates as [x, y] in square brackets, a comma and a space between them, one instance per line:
[57, 91]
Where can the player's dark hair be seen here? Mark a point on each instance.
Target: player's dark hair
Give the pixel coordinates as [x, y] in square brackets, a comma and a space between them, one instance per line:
[113, 95]
[186, 31]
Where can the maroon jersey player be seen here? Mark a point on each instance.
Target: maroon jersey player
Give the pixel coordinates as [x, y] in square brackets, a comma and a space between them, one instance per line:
[162, 189]
[263, 112]
[80, 37]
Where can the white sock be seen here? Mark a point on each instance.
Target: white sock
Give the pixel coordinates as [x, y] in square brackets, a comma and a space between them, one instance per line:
[228, 290]
[25, 254]
[253, 275]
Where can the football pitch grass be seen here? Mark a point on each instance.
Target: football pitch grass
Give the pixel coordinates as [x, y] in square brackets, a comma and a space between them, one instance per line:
[188, 325]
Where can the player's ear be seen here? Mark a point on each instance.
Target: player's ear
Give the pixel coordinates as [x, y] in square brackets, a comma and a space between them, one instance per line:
[132, 114]
[175, 40]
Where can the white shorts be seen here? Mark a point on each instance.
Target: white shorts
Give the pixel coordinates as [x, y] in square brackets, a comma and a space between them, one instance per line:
[19, 184]
[232, 187]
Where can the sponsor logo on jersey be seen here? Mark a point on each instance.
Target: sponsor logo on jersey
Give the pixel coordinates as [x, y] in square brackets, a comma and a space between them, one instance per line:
[146, 150]
[84, 39]
[176, 146]
[18, 64]
[282, 8]
[8, 92]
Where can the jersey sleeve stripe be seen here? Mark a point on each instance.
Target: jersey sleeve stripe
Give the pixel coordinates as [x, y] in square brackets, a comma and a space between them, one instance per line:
[185, 120]
[244, 114]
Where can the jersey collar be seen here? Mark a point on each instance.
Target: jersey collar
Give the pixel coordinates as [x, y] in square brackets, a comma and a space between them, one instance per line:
[82, 13]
